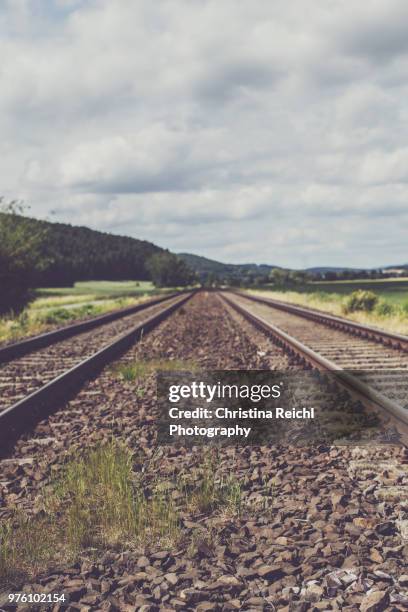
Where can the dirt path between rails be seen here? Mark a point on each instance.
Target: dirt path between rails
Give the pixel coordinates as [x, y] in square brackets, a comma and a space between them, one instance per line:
[309, 534]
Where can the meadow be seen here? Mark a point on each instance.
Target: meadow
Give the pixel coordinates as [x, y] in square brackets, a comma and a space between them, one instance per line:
[55, 306]
[392, 290]
[390, 310]
[99, 289]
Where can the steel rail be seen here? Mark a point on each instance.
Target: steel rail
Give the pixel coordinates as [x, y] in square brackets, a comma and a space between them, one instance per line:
[365, 392]
[19, 417]
[18, 349]
[394, 340]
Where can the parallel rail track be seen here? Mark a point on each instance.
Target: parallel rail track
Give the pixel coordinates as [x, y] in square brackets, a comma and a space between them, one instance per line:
[33, 385]
[26, 405]
[369, 363]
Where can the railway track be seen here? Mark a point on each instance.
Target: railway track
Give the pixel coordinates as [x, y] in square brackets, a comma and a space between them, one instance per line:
[371, 364]
[32, 385]
[391, 339]
[326, 522]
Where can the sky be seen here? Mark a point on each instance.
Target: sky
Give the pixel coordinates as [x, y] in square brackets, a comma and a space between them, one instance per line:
[242, 130]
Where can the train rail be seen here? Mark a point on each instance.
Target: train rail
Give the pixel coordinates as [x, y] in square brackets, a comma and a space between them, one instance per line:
[368, 363]
[26, 373]
[22, 347]
[32, 387]
[369, 332]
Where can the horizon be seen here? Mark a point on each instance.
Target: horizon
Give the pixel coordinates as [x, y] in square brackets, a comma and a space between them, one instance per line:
[238, 263]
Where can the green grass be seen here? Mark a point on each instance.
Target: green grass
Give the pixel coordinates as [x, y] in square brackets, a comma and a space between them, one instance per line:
[107, 499]
[98, 502]
[389, 313]
[139, 370]
[100, 289]
[106, 504]
[35, 320]
[57, 306]
[209, 492]
[392, 290]
[25, 547]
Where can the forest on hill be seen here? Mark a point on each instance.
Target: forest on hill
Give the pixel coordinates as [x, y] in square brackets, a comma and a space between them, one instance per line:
[210, 270]
[70, 253]
[36, 253]
[78, 253]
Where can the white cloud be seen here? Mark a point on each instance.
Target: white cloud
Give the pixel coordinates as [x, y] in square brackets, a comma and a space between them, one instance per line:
[263, 131]
[385, 166]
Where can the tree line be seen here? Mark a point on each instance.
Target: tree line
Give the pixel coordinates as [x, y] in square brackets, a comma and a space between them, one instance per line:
[36, 253]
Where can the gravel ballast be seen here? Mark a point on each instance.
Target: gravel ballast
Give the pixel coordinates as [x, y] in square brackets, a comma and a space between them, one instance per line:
[312, 533]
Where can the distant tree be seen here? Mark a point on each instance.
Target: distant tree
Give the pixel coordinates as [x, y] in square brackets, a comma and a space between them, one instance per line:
[19, 256]
[279, 277]
[209, 280]
[168, 270]
[298, 277]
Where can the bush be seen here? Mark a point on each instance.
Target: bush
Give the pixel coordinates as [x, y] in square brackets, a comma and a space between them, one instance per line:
[360, 300]
[384, 309]
[56, 315]
[168, 270]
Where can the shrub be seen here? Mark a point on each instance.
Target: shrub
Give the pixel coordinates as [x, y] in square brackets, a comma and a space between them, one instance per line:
[384, 309]
[360, 300]
[56, 315]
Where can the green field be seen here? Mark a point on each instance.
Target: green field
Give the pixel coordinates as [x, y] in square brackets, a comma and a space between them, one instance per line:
[392, 290]
[390, 311]
[55, 306]
[100, 289]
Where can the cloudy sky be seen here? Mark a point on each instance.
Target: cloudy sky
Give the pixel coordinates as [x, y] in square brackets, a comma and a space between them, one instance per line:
[268, 131]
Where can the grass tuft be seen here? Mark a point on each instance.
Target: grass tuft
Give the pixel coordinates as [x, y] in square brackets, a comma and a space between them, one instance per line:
[207, 491]
[140, 370]
[106, 504]
[100, 501]
[97, 502]
[26, 546]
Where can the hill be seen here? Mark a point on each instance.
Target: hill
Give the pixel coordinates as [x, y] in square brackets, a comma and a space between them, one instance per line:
[73, 253]
[323, 269]
[210, 268]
